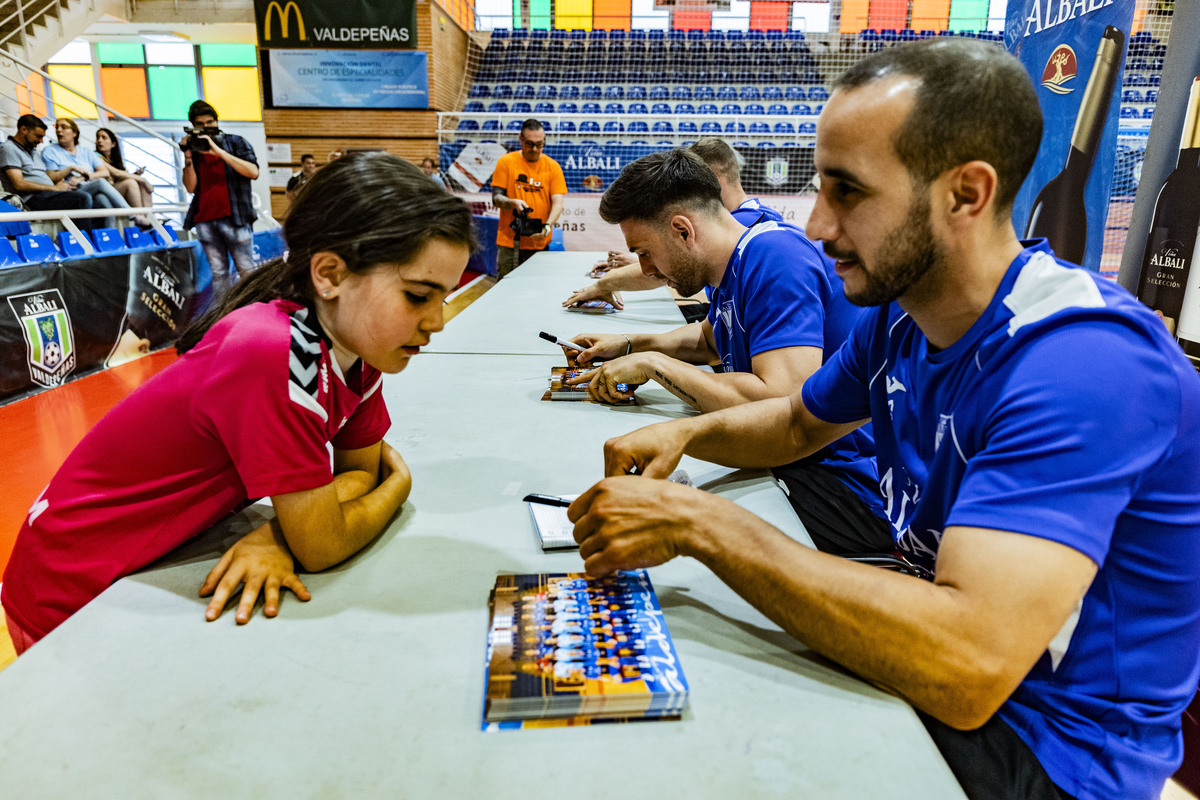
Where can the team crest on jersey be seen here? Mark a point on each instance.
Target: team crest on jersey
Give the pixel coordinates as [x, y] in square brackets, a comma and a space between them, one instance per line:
[776, 172]
[1061, 68]
[49, 342]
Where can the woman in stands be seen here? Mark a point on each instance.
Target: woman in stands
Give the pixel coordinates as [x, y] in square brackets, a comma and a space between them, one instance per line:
[277, 381]
[136, 190]
[69, 153]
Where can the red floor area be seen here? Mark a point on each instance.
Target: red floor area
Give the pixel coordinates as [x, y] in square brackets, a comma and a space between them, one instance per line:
[41, 430]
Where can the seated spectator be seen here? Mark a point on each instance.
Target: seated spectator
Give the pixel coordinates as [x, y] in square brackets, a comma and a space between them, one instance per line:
[136, 190]
[26, 175]
[68, 152]
[430, 168]
[308, 168]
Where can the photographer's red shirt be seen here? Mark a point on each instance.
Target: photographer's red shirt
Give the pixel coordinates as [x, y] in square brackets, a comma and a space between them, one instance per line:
[213, 201]
[535, 184]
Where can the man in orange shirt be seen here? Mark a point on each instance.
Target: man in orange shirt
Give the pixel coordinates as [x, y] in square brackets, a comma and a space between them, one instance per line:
[526, 181]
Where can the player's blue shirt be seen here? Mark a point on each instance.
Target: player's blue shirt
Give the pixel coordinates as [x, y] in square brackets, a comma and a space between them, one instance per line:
[751, 212]
[779, 290]
[1066, 412]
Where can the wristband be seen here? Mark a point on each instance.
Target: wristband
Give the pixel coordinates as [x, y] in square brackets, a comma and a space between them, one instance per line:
[628, 344]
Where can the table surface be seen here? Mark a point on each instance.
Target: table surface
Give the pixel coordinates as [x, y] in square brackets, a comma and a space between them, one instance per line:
[507, 320]
[375, 687]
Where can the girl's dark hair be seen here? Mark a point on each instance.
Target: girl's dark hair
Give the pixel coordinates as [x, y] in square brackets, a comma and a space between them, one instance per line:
[114, 156]
[368, 208]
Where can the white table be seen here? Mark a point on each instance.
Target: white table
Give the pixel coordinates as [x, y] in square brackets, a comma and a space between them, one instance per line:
[374, 689]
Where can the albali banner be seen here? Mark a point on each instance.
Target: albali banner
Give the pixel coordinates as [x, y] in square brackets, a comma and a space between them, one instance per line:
[60, 321]
[1074, 51]
[593, 167]
[344, 25]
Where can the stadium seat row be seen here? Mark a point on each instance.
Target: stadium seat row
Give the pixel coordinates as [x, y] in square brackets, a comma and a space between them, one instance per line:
[576, 34]
[641, 126]
[616, 92]
[695, 72]
[39, 248]
[704, 109]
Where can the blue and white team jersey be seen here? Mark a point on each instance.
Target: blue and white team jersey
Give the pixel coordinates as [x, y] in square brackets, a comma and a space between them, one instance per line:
[1066, 412]
[779, 290]
[751, 212]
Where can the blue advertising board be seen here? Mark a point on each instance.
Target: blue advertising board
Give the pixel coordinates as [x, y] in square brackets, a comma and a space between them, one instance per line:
[1075, 54]
[348, 79]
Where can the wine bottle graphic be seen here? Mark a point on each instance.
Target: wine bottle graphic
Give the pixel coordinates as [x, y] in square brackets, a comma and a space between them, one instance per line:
[1060, 212]
[1171, 246]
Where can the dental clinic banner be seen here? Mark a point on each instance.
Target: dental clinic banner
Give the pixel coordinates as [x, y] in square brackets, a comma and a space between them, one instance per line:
[1075, 52]
[348, 79]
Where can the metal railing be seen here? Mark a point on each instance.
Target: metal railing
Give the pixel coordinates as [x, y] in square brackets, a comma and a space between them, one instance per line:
[67, 218]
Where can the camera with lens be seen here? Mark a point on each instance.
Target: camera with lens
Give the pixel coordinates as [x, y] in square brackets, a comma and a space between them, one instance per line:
[525, 225]
[197, 144]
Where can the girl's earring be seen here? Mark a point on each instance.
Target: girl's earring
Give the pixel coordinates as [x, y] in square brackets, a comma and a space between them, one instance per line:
[325, 293]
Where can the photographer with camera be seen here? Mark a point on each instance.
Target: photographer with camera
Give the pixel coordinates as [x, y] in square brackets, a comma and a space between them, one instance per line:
[528, 188]
[218, 168]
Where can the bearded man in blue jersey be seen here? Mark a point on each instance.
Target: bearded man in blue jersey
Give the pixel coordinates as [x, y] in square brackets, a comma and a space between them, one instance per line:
[1038, 440]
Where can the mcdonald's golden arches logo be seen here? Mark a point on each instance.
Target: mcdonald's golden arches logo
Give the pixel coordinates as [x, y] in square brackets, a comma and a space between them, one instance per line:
[284, 13]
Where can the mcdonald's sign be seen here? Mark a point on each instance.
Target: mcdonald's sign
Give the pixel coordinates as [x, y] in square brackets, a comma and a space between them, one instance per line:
[345, 24]
[283, 14]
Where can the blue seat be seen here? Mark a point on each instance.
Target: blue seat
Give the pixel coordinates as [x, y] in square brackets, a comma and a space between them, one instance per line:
[69, 245]
[1148, 113]
[547, 124]
[599, 35]
[749, 93]
[662, 126]
[590, 108]
[777, 108]
[710, 127]
[513, 125]
[759, 127]
[818, 93]
[490, 125]
[784, 127]
[818, 108]
[171, 239]
[37, 248]
[685, 108]
[524, 92]
[727, 93]
[1131, 96]
[518, 34]
[735, 127]
[8, 256]
[479, 90]
[502, 91]
[614, 93]
[613, 126]
[1151, 95]
[614, 108]
[681, 93]
[687, 127]
[1135, 79]
[639, 126]
[1129, 113]
[754, 108]
[521, 108]
[566, 126]
[808, 129]
[473, 107]
[544, 108]
[802, 109]
[638, 108]
[468, 125]
[731, 108]
[639, 143]
[772, 93]
[655, 34]
[547, 92]
[616, 35]
[660, 93]
[568, 93]
[589, 126]
[636, 93]
[568, 108]
[499, 107]
[591, 92]
[704, 93]
[660, 108]
[707, 108]
[795, 93]
[138, 239]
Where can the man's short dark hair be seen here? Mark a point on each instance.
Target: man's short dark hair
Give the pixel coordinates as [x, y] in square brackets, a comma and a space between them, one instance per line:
[531, 125]
[306, 157]
[974, 102]
[31, 122]
[660, 184]
[720, 157]
[199, 109]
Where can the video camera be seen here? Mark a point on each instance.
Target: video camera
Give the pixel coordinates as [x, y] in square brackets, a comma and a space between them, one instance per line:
[524, 225]
[197, 144]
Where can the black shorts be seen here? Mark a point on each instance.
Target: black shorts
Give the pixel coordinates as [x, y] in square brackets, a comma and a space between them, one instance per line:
[992, 762]
[837, 519]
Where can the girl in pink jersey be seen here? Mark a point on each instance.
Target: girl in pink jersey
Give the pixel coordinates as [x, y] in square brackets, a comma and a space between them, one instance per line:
[276, 394]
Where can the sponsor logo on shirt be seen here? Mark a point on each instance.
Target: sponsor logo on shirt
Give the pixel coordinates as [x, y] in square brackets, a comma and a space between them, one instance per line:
[46, 326]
